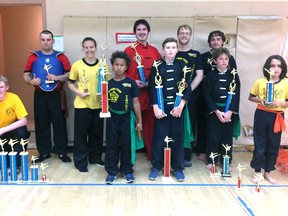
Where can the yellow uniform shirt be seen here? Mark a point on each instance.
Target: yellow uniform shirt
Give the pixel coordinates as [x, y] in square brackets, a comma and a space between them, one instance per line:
[11, 110]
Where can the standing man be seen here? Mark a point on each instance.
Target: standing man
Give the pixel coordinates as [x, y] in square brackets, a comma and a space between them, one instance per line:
[46, 70]
[193, 60]
[216, 40]
[147, 54]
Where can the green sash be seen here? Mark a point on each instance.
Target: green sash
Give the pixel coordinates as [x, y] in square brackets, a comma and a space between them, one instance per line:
[188, 134]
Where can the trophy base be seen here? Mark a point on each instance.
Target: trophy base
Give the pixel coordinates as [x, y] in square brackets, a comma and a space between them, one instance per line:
[49, 81]
[105, 114]
[226, 175]
[215, 174]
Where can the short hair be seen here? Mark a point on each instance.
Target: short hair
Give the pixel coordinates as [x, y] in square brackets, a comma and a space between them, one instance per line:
[143, 22]
[46, 32]
[121, 55]
[4, 79]
[168, 40]
[221, 51]
[215, 34]
[89, 39]
[185, 26]
[267, 66]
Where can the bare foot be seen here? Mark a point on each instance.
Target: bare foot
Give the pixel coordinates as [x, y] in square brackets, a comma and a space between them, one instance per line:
[269, 178]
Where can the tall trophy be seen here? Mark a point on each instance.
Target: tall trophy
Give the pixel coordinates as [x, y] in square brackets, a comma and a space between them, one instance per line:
[140, 67]
[239, 182]
[102, 70]
[85, 80]
[104, 98]
[167, 157]
[225, 171]
[24, 161]
[213, 167]
[159, 87]
[231, 92]
[43, 166]
[13, 160]
[34, 169]
[181, 86]
[3, 161]
[269, 88]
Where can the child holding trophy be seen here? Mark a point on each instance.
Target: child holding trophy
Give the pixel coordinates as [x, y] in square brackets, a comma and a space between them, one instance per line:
[219, 85]
[168, 73]
[88, 126]
[121, 127]
[13, 120]
[268, 118]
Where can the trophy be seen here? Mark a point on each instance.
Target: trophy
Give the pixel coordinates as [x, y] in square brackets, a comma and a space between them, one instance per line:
[240, 168]
[104, 98]
[3, 161]
[269, 88]
[43, 166]
[167, 157]
[159, 87]
[138, 60]
[225, 172]
[13, 160]
[213, 167]
[181, 86]
[259, 176]
[85, 80]
[102, 70]
[231, 92]
[34, 169]
[24, 160]
[47, 68]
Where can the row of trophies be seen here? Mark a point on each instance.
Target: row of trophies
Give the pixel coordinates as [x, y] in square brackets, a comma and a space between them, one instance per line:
[12, 170]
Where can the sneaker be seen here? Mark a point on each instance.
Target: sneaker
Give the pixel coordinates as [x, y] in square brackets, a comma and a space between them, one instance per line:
[154, 174]
[110, 179]
[180, 177]
[129, 178]
[64, 158]
[83, 169]
[42, 158]
[187, 163]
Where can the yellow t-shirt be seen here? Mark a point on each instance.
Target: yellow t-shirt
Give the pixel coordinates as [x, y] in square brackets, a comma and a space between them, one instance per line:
[80, 69]
[280, 91]
[11, 110]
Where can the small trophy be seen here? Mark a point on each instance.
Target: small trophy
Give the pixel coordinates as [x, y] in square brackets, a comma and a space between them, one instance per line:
[138, 60]
[43, 166]
[3, 161]
[159, 87]
[213, 167]
[225, 172]
[24, 160]
[167, 156]
[47, 68]
[239, 182]
[231, 92]
[181, 86]
[13, 160]
[104, 98]
[269, 88]
[102, 70]
[34, 169]
[85, 80]
[260, 177]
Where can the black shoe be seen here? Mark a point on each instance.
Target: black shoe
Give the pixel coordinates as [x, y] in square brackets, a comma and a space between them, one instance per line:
[83, 169]
[42, 158]
[98, 162]
[65, 159]
[187, 163]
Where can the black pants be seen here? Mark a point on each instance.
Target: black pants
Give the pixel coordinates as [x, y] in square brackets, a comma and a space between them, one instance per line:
[19, 133]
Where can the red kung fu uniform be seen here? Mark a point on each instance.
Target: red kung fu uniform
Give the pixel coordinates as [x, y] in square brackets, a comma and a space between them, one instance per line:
[148, 54]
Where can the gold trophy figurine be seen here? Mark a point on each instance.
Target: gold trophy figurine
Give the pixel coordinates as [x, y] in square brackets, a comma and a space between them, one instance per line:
[23, 143]
[213, 167]
[2, 143]
[12, 143]
[181, 86]
[43, 166]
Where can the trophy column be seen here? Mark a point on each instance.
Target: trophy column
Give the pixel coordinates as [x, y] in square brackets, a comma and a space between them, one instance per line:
[167, 157]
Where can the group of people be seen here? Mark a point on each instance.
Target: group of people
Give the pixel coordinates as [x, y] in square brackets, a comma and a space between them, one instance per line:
[182, 95]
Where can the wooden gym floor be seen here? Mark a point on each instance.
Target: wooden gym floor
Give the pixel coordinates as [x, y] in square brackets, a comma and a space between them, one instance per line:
[70, 192]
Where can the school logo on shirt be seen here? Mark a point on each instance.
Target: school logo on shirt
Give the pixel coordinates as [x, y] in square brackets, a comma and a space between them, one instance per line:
[10, 111]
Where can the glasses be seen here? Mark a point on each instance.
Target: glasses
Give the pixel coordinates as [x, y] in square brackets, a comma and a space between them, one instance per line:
[184, 33]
